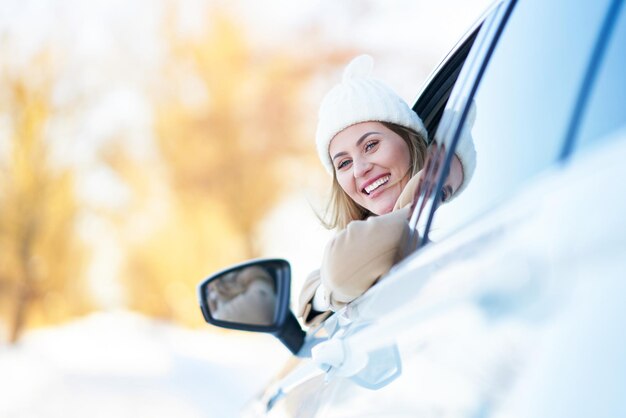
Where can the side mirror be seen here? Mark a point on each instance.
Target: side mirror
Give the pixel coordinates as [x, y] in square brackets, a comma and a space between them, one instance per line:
[253, 296]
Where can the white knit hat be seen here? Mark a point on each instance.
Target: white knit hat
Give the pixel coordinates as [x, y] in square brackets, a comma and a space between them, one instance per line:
[360, 98]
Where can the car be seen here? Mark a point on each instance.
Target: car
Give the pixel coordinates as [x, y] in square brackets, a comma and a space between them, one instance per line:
[513, 303]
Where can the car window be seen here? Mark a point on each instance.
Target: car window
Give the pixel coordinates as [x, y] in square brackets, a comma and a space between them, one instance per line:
[432, 100]
[523, 103]
[605, 110]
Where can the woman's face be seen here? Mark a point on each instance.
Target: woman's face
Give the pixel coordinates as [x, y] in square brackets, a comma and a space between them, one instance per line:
[372, 165]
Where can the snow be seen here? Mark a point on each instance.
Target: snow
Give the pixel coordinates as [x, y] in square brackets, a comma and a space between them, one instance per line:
[121, 364]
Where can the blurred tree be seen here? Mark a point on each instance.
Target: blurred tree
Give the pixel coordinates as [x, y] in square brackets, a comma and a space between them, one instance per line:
[41, 259]
[229, 120]
[170, 246]
[230, 123]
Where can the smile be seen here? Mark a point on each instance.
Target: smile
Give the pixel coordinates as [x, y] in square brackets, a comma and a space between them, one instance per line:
[370, 188]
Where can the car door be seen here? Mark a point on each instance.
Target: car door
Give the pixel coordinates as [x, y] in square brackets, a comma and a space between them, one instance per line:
[463, 311]
[580, 369]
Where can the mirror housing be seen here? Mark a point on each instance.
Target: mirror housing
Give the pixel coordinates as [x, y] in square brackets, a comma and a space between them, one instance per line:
[252, 296]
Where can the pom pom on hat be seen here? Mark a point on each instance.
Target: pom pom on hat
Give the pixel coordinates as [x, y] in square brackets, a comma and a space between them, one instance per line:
[360, 98]
[360, 66]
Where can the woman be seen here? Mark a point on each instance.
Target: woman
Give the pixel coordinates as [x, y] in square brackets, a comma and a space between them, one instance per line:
[374, 145]
[247, 296]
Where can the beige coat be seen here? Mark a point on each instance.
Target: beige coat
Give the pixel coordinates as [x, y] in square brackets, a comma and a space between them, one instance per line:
[356, 257]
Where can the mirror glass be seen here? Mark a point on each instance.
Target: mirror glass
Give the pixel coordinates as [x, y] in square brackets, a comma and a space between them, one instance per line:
[246, 295]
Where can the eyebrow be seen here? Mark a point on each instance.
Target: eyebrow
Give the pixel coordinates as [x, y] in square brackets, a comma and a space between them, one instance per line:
[358, 143]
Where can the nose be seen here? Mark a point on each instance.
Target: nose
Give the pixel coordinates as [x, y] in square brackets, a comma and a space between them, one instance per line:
[361, 167]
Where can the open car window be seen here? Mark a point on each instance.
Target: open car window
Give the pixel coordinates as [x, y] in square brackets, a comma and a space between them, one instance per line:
[433, 98]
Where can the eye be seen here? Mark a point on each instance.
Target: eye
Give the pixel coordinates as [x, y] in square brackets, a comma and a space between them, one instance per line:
[446, 192]
[370, 145]
[343, 164]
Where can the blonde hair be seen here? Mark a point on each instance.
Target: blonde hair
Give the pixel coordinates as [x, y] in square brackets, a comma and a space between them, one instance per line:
[341, 209]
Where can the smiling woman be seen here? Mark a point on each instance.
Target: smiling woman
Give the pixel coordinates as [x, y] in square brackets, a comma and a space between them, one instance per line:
[374, 145]
[373, 169]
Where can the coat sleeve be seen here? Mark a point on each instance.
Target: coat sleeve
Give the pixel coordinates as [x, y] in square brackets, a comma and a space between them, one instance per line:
[360, 254]
[354, 260]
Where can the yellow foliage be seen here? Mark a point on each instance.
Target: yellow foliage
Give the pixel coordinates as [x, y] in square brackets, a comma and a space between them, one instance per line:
[226, 148]
[41, 260]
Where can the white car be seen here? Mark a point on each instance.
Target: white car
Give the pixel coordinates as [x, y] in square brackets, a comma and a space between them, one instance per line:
[515, 305]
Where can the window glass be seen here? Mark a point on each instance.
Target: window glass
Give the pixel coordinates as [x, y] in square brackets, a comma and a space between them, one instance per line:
[606, 111]
[524, 102]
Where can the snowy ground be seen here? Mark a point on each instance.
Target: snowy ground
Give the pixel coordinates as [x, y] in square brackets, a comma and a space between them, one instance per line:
[121, 364]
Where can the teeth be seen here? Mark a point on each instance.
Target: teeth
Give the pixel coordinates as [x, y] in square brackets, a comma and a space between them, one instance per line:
[369, 189]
